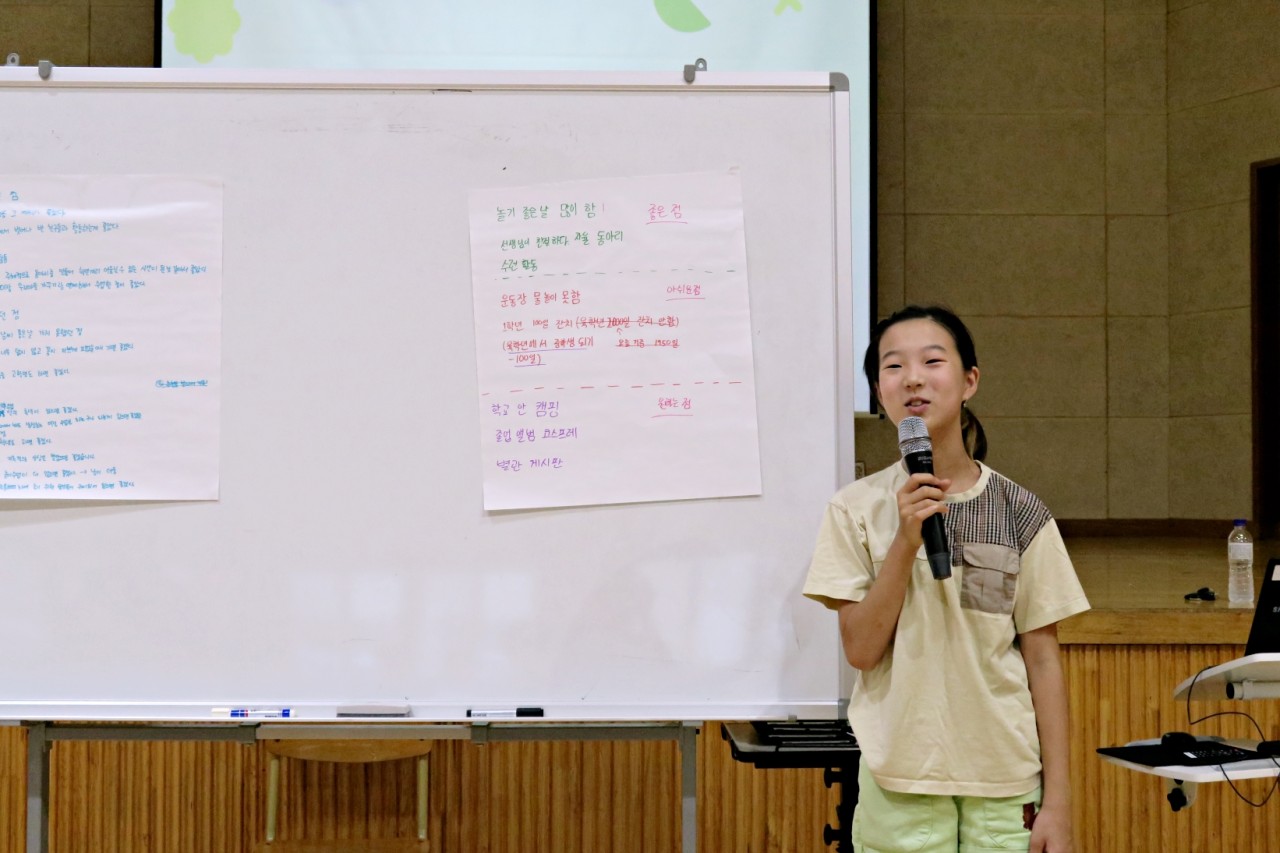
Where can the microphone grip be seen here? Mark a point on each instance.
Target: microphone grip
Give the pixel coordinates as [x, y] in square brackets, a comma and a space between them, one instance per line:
[932, 530]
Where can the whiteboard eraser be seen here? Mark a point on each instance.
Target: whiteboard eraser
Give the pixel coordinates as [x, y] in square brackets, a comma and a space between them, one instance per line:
[374, 710]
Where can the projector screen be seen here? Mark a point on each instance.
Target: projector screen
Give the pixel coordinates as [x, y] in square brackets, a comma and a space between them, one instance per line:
[662, 35]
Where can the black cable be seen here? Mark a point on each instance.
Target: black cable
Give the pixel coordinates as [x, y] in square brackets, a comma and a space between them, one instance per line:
[1263, 802]
[1191, 722]
[1226, 776]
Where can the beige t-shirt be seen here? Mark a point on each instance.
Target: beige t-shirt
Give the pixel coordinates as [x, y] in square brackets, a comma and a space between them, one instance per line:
[948, 709]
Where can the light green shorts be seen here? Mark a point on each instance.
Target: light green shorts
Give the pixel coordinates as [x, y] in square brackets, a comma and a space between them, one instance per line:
[888, 822]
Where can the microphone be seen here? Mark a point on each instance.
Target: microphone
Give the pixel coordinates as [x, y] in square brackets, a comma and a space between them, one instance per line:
[917, 452]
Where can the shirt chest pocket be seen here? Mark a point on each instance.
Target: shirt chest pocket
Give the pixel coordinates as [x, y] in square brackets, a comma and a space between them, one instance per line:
[990, 577]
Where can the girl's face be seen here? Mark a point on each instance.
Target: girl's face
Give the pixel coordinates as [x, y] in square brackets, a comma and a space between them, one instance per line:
[921, 374]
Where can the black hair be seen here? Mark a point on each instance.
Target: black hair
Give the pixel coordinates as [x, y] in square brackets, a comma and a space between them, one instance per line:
[975, 438]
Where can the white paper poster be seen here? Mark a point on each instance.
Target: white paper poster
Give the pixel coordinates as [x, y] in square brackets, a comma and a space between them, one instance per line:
[613, 341]
[110, 319]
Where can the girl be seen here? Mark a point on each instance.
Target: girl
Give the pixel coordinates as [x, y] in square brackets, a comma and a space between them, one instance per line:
[960, 703]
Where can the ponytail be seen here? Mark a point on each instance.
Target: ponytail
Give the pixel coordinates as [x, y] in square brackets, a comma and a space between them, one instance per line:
[975, 437]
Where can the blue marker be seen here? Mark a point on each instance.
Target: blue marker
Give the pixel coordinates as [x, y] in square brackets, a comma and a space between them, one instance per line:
[254, 712]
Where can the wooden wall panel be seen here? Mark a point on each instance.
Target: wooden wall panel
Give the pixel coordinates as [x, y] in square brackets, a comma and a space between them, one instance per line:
[616, 796]
[551, 797]
[121, 797]
[13, 788]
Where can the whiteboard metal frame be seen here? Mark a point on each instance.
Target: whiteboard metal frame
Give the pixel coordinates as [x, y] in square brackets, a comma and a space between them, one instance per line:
[461, 81]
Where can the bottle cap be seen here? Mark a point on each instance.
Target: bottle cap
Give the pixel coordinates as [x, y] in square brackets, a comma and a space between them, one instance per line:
[1239, 522]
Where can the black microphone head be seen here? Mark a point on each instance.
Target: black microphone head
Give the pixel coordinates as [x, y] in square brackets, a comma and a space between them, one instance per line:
[913, 436]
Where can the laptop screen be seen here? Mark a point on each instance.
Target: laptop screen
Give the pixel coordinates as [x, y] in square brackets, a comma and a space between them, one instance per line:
[1264, 636]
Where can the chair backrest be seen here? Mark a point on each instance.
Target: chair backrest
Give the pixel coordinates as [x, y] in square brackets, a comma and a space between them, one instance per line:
[347, 751]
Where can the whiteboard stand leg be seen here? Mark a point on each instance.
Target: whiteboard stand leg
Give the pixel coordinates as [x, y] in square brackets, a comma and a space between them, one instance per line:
[689, 787]
[37, 789]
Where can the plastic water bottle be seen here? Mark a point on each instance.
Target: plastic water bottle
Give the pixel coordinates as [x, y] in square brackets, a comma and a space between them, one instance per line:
[1240, 566]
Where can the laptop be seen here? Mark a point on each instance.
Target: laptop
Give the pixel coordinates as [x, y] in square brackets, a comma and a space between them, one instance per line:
[1264, 635]
[1185, 751]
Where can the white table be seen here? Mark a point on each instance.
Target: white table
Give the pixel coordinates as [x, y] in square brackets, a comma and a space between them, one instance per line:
[1250, 677]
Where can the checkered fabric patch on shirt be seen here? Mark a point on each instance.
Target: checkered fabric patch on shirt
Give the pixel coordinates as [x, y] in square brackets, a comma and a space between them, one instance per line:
[1003, 514]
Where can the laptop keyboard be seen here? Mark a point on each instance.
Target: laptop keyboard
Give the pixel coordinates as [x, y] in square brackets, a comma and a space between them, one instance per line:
[1215, 753]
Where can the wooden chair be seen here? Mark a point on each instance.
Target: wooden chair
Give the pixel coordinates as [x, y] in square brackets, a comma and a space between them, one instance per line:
[346, 752]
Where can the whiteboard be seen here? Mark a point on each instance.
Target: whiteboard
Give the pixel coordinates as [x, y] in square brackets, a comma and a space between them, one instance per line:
[348, 558]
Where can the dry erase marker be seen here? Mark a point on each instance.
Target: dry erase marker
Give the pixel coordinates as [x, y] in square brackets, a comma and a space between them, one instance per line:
[503, 713]
[254, 712]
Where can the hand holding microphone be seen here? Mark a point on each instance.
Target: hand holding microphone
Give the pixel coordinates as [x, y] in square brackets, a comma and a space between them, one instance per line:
[917, 453]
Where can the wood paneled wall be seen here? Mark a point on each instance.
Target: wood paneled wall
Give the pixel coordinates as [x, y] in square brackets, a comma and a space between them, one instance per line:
[550, 797]
[1124, 693]
[1121, 693]
[13, 788]
[619, 796]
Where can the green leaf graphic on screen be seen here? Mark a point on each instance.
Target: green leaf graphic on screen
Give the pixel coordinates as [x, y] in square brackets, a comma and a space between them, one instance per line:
[681, 15]
[203, 28]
